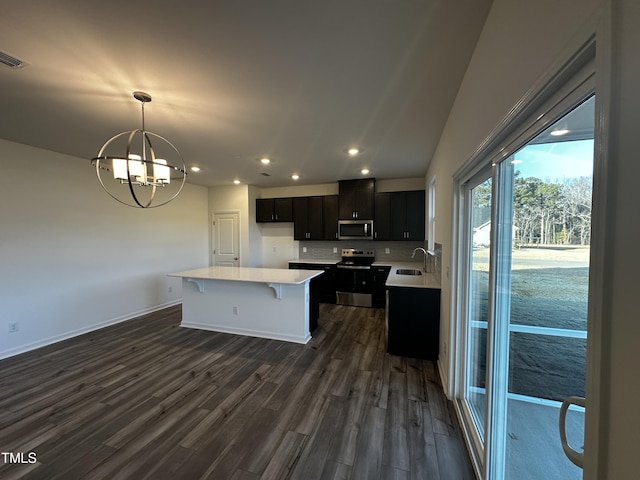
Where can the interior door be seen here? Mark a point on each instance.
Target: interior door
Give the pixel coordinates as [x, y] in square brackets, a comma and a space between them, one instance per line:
[226, 239]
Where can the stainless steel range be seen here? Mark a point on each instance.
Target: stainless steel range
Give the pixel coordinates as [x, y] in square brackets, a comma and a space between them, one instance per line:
[354, 277]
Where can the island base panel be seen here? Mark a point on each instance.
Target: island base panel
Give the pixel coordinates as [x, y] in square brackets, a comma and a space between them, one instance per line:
[246, 308]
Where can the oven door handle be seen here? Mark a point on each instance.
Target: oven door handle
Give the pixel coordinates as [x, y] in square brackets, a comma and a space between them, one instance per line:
[354, 267]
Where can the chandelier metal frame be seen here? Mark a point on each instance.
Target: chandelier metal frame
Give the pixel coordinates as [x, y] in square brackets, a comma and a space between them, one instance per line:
[135, 166]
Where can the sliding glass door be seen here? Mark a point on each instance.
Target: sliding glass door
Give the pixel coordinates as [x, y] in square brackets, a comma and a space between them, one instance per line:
[548, 287]
[478, 239]
[526, 233]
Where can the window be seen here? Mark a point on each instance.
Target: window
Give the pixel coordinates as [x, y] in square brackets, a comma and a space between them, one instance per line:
[431, 228]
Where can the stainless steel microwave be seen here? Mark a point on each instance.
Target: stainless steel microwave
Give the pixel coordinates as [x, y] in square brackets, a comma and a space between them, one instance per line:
[355, 229]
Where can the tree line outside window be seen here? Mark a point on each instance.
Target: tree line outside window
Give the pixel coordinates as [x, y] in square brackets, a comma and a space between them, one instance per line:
[545, 212]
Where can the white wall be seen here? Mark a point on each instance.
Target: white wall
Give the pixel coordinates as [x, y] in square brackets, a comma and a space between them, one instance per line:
[382, 185]
[278, 245]
[299, 190]
[520, 42]
[72, 259]
[400, 184]
[255, 235]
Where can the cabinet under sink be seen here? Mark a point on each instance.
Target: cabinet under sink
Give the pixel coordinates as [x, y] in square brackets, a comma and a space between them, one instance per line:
[413, 322]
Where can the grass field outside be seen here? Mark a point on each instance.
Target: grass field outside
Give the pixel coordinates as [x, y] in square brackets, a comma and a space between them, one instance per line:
[549, 288]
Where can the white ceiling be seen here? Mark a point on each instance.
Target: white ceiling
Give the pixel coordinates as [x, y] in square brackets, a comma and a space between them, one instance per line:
[234, 80]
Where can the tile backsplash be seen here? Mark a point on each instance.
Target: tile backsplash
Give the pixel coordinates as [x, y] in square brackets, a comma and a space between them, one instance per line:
[384, 251]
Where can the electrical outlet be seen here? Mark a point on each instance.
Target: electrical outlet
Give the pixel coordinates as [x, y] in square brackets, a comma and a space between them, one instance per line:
[304, 249]
[13, 327]
[235, 310]
[335, 249]
[387, 250]
[170, 289]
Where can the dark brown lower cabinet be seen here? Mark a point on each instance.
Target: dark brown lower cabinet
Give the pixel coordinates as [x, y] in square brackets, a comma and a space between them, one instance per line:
[413, 322]
[380, 274]
[322, 288]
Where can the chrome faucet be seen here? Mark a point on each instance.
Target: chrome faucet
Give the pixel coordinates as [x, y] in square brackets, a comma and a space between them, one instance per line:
[426, 253]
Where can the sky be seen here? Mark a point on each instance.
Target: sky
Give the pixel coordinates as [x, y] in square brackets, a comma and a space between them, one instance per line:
[556, 161]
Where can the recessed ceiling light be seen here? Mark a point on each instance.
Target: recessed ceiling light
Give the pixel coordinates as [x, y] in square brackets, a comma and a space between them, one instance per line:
[236, 181]
[353, 151]
[265, 161]
[364, 171]
[295, 176]
[559, 132]
[195, 169]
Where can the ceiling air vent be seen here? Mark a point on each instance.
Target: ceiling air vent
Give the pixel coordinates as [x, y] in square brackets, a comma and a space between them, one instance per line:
[11, 62]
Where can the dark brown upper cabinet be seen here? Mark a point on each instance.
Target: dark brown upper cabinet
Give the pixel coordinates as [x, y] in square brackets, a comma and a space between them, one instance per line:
[382, 219]
[407, 215]
[399, 216]
[308, 221]
[274, 210]
[330, 217]
[356, 199]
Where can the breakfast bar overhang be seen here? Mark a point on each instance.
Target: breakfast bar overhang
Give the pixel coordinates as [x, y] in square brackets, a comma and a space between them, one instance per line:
[258, 302]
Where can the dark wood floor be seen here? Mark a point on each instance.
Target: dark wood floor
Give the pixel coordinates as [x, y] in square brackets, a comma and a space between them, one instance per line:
[147, 399]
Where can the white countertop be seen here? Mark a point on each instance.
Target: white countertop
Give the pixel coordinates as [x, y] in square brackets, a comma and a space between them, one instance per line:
[246, 274]
[314, 262]
[426, 280]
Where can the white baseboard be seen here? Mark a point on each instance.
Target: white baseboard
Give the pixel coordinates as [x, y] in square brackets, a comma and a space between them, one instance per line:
[247, 333]
[443, 379]
[80, 331]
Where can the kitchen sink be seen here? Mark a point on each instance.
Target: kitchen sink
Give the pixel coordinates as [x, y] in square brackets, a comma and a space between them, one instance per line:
[408, 271]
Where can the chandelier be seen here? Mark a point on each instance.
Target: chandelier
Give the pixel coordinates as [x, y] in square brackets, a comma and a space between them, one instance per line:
[139, 173]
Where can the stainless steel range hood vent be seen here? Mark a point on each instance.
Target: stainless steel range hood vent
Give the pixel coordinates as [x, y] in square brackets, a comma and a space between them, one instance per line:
[10, 61]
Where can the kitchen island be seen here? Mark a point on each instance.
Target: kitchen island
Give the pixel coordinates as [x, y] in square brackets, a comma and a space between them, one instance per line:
[259, 302]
